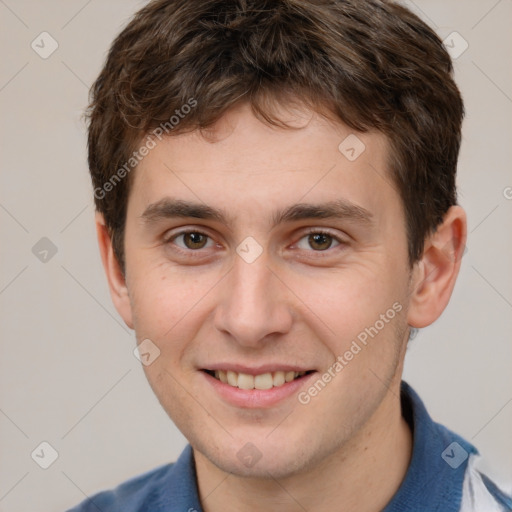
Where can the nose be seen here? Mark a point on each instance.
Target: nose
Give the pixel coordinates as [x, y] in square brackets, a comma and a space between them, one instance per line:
[254, 304]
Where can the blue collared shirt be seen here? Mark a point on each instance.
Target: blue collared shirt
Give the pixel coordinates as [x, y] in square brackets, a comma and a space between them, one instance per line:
[442, 477]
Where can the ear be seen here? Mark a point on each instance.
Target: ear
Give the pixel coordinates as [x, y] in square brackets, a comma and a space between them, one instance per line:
[435, 274]
[116, 279]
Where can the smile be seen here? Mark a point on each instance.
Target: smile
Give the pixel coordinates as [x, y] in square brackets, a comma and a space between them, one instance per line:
[262, 381]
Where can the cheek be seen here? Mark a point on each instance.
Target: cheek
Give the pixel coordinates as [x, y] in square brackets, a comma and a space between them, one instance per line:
[346, 301]
[171, 305]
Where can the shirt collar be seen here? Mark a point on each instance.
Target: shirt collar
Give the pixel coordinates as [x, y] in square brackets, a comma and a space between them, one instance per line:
[433, 481]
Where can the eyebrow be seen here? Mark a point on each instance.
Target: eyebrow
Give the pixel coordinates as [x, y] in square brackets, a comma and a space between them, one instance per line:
[168, 208]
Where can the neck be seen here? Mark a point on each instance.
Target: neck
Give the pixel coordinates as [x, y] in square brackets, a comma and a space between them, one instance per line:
[363, 476]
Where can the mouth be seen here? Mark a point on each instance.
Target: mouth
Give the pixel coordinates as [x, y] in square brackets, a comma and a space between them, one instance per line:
[262, 381]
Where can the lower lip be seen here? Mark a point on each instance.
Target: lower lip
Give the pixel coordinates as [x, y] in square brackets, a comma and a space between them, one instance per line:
[257, 398]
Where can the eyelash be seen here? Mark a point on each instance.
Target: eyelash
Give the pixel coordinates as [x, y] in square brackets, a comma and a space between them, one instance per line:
[317, 231]
[310, 231]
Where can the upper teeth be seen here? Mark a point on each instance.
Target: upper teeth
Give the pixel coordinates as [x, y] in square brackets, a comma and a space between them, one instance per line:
[262, 381]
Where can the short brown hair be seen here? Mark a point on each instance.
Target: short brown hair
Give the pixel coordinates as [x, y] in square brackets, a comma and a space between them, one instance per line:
[373, 64]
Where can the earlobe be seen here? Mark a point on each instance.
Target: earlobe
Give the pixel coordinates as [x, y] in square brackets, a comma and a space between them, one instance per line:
[115, 278]
[435, 274]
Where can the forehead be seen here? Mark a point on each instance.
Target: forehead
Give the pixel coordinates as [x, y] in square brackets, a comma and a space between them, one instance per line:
[244, 165]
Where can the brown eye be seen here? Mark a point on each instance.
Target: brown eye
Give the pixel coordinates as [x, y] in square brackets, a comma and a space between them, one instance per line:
[194, 240]
[191, 240]
[320, 241]
[317, 241]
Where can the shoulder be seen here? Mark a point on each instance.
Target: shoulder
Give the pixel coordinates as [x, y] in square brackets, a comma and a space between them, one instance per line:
[168, 488]
[442, 474]
[479, 492]
[136, 494]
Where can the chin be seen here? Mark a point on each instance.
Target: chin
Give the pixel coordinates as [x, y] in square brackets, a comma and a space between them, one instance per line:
[279, 467]
[261, 457]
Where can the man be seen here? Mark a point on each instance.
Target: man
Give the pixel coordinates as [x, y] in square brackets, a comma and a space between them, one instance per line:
[276, 210]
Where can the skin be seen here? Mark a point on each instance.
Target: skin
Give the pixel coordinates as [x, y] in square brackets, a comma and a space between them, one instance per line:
[294, 304]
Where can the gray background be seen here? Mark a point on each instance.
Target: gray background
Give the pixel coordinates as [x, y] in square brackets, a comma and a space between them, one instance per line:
[67, 372]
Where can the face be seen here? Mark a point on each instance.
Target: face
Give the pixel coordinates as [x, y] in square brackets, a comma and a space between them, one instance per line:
[254, 255]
